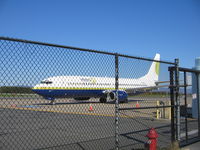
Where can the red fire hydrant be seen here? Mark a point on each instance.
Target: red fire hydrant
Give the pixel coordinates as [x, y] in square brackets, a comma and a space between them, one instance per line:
[152, 142]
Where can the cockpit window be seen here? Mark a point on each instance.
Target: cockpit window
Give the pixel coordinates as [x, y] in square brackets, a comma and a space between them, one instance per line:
[46, 82]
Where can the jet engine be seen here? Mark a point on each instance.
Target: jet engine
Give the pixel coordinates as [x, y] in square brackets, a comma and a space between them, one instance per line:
[122, 96]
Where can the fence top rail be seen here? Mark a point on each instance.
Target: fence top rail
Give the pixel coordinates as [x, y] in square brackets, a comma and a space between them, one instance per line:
[81, 49]
[185, 70]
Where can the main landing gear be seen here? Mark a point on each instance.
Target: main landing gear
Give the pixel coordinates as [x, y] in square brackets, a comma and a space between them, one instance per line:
[103, 99]
[52, 102]
[52, 99]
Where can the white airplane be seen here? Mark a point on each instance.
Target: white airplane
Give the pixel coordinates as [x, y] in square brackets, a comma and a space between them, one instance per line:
[85, 87]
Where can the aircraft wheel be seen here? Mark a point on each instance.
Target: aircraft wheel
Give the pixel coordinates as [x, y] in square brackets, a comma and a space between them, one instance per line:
[124, 101]
[52, 102]
[103, 100]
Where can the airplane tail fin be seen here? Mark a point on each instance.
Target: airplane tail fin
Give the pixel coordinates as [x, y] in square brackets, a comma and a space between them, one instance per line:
[154, 70]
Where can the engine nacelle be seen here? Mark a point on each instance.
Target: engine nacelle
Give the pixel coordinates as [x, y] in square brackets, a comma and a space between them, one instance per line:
[122, 96]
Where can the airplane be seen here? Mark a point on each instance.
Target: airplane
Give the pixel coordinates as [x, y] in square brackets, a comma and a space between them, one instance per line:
[86, 87]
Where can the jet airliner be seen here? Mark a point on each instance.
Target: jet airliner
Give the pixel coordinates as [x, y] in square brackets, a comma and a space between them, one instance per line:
[85, 87]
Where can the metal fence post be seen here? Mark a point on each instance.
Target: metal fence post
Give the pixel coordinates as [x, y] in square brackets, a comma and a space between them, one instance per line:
[185, 93]
[172, 104]
[116, 102]
[177, 100]
[198, 101]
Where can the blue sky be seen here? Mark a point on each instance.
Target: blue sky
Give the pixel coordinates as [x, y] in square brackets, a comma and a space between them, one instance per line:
[133, 27]
[24, 64]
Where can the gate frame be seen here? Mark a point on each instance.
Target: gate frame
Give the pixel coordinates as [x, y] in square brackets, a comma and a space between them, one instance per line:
[175, 112]
[175, 101]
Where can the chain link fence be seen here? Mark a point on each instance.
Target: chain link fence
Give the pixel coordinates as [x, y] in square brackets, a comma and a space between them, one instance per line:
[60, 97]
[148, 107]
[189, 111]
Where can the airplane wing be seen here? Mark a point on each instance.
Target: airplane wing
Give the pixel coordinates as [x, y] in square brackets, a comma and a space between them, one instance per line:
[161, 82]
[149, 88]
[144, 89]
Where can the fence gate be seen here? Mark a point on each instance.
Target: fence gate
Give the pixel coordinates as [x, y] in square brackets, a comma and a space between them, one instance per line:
[184, 87]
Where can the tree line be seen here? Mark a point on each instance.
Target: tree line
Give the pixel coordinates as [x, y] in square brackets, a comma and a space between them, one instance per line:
[15, 89]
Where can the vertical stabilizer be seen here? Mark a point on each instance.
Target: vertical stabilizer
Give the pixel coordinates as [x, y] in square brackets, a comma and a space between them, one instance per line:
[152, 75]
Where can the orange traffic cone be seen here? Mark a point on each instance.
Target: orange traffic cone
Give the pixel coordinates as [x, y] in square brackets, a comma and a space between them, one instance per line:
[137, 105]
[91, 108]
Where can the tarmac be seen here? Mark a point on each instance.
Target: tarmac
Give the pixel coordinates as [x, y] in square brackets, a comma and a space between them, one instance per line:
[32, 123]
[195, 146]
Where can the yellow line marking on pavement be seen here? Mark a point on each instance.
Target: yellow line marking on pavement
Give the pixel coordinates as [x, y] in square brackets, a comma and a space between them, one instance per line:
[77, 113]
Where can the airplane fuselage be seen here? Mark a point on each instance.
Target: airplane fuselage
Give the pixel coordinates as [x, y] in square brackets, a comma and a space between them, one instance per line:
[90, 86]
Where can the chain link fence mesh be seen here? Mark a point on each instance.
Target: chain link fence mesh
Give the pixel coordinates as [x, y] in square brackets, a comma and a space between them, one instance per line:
[56, 97]
[140, 113]
[189, 118]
